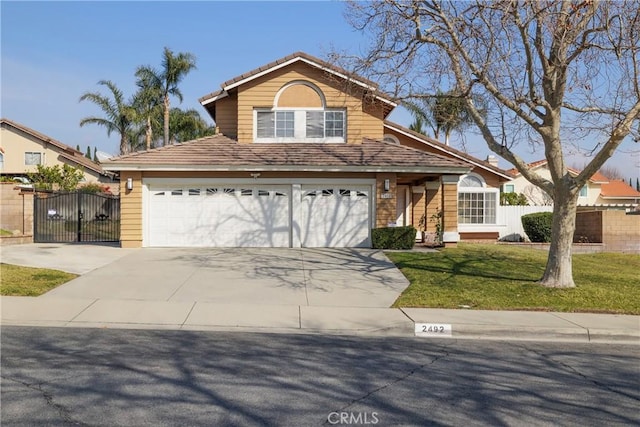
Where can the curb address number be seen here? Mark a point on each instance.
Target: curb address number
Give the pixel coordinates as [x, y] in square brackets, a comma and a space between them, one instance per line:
[433, 330]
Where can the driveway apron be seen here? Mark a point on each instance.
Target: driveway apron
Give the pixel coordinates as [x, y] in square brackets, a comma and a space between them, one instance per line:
[261, 276]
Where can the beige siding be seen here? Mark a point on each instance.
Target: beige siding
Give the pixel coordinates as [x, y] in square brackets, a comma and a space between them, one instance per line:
[299, 96]
[261, 93]
[386, 209]
[450, 207]
[226, 115]
[131, 210]
[16, 143]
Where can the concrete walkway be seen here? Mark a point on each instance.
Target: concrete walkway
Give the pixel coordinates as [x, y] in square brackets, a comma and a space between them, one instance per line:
[288, 291]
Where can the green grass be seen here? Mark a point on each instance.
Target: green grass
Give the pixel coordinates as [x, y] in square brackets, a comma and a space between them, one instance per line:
[496, 277]
[28, 281]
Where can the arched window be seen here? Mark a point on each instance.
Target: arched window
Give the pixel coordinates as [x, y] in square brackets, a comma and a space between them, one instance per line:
[391, 138]
[300, 114]
[477, 203]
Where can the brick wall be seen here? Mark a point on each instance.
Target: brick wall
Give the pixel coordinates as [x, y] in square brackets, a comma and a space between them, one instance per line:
[16, 209]
[616, 230]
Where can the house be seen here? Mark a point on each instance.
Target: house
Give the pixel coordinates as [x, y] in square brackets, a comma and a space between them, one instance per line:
[599, 191]
[24, 148]
[303, 157]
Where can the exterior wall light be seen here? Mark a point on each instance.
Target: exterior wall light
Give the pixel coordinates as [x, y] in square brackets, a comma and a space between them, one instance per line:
[387, 185]
[129, 184]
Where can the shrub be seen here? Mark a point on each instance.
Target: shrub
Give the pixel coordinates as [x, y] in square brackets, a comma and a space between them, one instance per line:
[538, 226]
[513, 199]
[94, 188]
[393, 237]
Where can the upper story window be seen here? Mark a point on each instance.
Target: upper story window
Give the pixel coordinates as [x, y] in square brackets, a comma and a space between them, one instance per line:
[32, 159]
[300, 114]
[583, 192]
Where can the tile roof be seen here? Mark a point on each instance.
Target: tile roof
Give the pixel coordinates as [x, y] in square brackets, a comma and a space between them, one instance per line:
[596, 178]
[618, 189]
[448, 149]
[221, 153]
[67, 152]
[374, 87]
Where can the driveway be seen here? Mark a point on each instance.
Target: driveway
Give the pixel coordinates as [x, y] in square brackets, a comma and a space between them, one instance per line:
[264, 276]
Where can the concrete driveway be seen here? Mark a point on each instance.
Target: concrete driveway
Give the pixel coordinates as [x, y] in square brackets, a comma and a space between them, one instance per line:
[264, 276]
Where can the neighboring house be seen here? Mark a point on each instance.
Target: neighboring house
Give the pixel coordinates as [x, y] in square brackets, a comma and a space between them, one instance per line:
[304, 156]
[599, 191]
[23, 149]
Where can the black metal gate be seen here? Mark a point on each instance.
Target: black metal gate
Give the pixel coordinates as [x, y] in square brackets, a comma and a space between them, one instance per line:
[75, 217]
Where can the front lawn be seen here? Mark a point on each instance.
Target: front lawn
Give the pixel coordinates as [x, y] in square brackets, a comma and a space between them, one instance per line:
[496, 277]
[30, 282]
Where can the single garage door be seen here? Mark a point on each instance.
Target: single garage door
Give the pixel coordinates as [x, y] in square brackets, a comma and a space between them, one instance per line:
[335, 216]
[219, 216]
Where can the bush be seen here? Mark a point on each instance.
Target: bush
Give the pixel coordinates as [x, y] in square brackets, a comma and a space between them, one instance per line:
[538, 226]
[393, 237]
[94, 188]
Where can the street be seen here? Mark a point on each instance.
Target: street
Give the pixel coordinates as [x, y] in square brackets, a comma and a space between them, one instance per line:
[103, 377]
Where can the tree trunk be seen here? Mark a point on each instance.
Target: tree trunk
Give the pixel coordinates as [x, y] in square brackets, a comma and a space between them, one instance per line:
[166, 120]
[149, 133]
[559, 271]
[124, 145]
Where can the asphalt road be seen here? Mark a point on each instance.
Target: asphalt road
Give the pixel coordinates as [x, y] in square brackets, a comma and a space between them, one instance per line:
[101, 377]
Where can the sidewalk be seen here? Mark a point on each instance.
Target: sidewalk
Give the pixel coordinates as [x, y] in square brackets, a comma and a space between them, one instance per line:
[406, 322]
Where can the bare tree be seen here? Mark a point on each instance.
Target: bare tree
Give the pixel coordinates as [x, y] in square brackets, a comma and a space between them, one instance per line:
[611, 172]
[558, 75]
[536, 196]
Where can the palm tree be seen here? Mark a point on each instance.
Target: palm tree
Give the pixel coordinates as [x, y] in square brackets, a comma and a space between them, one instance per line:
[444, 113]
[148, 105]
[188, 125]
[118, 113]
[174, 68]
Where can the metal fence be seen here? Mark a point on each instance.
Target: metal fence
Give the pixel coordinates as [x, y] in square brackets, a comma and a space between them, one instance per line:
[76, 217]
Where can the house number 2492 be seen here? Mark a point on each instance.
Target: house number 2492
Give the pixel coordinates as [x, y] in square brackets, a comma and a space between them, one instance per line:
[433, 330]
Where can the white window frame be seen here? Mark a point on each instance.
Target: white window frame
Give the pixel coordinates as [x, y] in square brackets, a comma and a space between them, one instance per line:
[300, 126]
[509, 188]
[484, 191]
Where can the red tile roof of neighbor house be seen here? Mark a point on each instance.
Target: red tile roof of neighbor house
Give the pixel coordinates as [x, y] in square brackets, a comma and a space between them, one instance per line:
[596, 178]
[66, 152]
[221, 153]
[618, 189]
[372, 87]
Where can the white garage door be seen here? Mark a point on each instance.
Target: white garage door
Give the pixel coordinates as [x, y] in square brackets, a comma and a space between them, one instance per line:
[335, 216]
[219, 216]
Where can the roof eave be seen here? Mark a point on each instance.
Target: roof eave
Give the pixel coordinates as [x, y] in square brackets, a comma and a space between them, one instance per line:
[454, 170]
[399, 129]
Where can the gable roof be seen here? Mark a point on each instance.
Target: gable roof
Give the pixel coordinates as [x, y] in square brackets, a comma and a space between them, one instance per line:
[447, 149]
[219, 153]
[366, 84]
[597, 177]
[67, 152]
[618, 189]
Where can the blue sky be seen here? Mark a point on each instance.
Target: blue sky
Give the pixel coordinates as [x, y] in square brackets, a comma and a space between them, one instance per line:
[52, 52]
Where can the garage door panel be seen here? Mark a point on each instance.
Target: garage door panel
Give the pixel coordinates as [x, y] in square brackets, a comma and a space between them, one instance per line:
[219, 216]
[335, 216]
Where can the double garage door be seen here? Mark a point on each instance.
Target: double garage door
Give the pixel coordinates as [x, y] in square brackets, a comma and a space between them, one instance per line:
[244, 215]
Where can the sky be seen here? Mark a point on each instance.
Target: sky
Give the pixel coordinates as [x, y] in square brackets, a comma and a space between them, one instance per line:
[53, 52]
